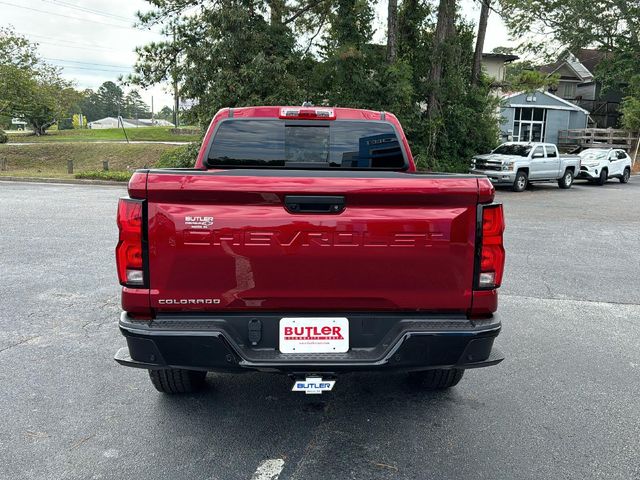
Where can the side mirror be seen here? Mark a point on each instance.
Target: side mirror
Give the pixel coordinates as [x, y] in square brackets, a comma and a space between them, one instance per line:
[538, 155]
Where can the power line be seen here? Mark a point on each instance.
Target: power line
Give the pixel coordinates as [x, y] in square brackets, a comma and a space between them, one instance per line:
[66, 42]
[66, 16]
[71, 67]
[95, 49]
[87, 10]
[87, 63]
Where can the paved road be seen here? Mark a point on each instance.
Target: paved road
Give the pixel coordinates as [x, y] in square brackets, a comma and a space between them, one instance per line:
[565, 403]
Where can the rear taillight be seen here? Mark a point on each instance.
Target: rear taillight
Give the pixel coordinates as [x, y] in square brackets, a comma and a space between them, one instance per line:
[129, 251]
[491, 248]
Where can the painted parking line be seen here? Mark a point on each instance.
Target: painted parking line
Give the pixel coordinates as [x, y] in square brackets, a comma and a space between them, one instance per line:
[269, 469]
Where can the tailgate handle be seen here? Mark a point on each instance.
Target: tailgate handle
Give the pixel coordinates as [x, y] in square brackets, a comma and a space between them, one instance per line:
[314, 203]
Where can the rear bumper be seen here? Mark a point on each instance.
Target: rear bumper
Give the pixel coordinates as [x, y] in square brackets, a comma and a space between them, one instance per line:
[377, 342]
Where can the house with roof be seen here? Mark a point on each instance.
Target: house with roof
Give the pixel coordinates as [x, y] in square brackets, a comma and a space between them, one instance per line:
[538, 117]
[579, 85]
[494, 66]
[530, 116]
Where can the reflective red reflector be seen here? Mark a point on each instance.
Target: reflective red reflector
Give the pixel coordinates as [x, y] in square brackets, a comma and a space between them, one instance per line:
[129, 248]
[492, 253]
[134, 256]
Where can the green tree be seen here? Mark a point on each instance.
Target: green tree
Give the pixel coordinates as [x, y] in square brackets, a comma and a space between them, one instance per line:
[226, 54]
[343, 76]
[45, 99]
[16, 50]
[134, 106]
[525, 75]
[166, 113]
[111, 99]
[465, 121]
[29, 88]
[18, 59]
[631, 106]
[91, 106]
[549, 26]
[247, 52]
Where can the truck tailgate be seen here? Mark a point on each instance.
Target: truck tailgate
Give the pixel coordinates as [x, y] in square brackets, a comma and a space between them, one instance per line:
[223, 240]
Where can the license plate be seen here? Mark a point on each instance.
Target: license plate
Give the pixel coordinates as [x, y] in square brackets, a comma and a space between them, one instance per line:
[313, 385]
[314, 335]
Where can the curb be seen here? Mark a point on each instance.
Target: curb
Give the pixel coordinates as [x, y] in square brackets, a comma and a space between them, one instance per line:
[64, 181]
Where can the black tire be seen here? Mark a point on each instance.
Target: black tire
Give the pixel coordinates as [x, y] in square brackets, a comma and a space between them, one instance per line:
[625, 175]
[567, 180]
[438, 379]
[604, 175]
[175, 380]
[521, 181]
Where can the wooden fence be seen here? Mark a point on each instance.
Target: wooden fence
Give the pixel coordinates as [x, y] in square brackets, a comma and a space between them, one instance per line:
[597, 138]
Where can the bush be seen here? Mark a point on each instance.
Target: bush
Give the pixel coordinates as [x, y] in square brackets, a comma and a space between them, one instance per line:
[180, 157]
[65, 124]
[102, 175]
[3, 137]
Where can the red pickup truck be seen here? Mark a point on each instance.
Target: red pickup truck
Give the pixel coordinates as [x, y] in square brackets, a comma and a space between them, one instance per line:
[305, 242]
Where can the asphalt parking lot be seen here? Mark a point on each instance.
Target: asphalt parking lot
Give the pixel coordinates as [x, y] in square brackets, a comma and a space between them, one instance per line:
[564, 404]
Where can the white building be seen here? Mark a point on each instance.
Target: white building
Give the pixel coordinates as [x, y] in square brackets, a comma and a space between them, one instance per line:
[19, 123]
[495, 66]
[113, 122]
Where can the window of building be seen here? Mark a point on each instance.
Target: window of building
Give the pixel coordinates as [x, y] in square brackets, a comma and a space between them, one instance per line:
[567, 90]
[529, 124]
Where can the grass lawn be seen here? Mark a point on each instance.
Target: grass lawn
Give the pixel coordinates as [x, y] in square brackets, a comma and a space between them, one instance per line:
[153, 134]
[50, 160]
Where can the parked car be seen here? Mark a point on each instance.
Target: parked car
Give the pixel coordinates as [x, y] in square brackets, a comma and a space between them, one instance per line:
[304, 242]
[519, 163]
[600, 164]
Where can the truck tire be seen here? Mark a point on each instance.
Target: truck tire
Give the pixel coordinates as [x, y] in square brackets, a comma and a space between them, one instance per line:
[625, 175]
[175, 380]
[438, 379]
[521, 181]
[567, 180]
[602, 179]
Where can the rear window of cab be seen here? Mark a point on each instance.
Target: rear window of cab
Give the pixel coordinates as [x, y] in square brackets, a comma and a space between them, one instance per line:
[348, 144]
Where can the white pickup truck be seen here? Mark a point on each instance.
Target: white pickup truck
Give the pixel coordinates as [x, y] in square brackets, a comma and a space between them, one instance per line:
[519, 163]
[601, 164]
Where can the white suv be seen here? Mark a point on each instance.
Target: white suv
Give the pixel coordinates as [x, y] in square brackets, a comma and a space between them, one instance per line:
[600, 164]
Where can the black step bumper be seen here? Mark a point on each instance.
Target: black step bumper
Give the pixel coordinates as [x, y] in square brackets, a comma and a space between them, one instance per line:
[377, 342]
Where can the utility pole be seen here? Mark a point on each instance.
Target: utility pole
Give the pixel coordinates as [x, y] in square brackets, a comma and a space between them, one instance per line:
[176, 96]
[176, 101]
[151, 109]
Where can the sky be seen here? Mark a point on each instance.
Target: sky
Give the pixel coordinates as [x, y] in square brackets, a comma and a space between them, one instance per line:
[94, 41]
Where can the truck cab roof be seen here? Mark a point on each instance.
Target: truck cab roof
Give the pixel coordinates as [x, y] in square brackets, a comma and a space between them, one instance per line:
[307, 112]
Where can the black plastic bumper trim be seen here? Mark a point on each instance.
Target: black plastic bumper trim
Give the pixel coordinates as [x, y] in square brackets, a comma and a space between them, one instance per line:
[206, 343]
